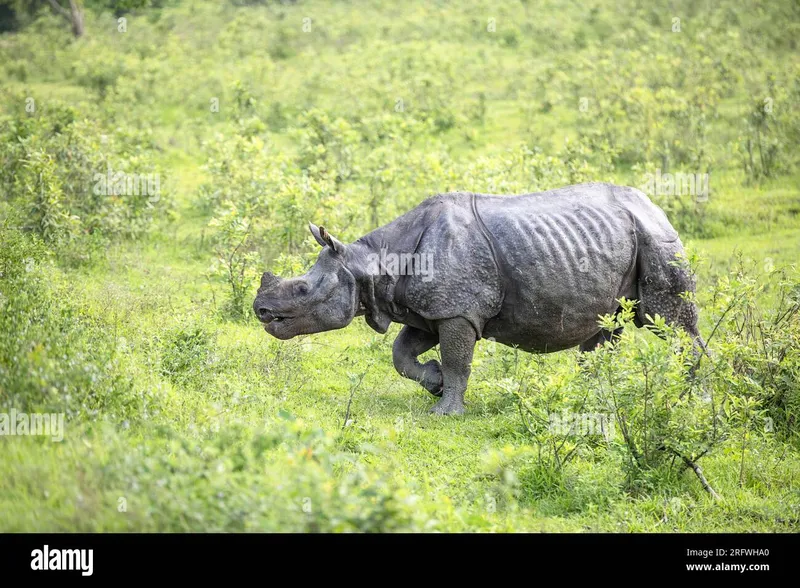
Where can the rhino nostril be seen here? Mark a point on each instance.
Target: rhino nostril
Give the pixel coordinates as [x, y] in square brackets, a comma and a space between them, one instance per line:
[262, 312]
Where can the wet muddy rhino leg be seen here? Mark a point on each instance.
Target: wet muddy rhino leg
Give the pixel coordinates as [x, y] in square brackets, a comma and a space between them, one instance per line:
[410, 344]
[457, 344]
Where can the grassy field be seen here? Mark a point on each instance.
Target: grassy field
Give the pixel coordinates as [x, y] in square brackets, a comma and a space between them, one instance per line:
[181, 413]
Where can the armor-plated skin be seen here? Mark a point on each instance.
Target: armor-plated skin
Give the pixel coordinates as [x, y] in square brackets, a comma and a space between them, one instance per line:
[533, 271]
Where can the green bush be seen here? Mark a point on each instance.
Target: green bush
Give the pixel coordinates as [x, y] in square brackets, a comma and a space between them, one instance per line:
[53, 356]
[636, 397]
[75, 178]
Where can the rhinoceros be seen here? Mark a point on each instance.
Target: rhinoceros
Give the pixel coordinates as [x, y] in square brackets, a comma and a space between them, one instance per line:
[533, 271]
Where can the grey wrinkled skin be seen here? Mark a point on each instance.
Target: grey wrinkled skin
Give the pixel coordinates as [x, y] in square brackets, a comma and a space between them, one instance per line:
[533, 271]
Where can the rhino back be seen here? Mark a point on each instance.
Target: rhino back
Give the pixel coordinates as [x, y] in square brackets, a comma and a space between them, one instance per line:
[562, 239]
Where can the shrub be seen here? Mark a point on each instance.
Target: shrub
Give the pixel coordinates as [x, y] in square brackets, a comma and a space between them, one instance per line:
[636, 396]
[76, 178]
[52, 359]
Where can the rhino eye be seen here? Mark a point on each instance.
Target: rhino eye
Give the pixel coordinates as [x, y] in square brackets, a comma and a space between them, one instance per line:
[302, 289]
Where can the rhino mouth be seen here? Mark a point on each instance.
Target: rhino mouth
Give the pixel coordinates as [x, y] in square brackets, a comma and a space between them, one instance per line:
[267, 317]
[277, 326]
[276, 319]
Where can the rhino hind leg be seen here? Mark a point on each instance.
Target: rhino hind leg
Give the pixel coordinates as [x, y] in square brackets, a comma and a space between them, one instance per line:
[410, 344]
[661, 285]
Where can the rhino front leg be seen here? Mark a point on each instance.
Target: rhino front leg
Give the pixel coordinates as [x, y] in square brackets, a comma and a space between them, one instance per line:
[411, 343]
[457, 344]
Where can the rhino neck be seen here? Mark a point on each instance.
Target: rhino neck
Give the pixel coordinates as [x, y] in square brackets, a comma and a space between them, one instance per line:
[376, 290]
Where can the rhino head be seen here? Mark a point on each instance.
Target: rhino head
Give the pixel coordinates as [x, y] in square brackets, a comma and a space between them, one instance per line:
[323, 299]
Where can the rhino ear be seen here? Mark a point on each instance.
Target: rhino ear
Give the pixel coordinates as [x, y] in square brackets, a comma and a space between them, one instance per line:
[325, 239]
[331, 241]
[315, 231]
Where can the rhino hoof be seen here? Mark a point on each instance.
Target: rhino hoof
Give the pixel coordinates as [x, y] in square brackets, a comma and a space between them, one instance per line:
[447, 408]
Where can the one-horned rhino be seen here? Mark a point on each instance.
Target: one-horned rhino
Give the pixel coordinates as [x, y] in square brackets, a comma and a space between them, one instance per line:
[533, 271]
